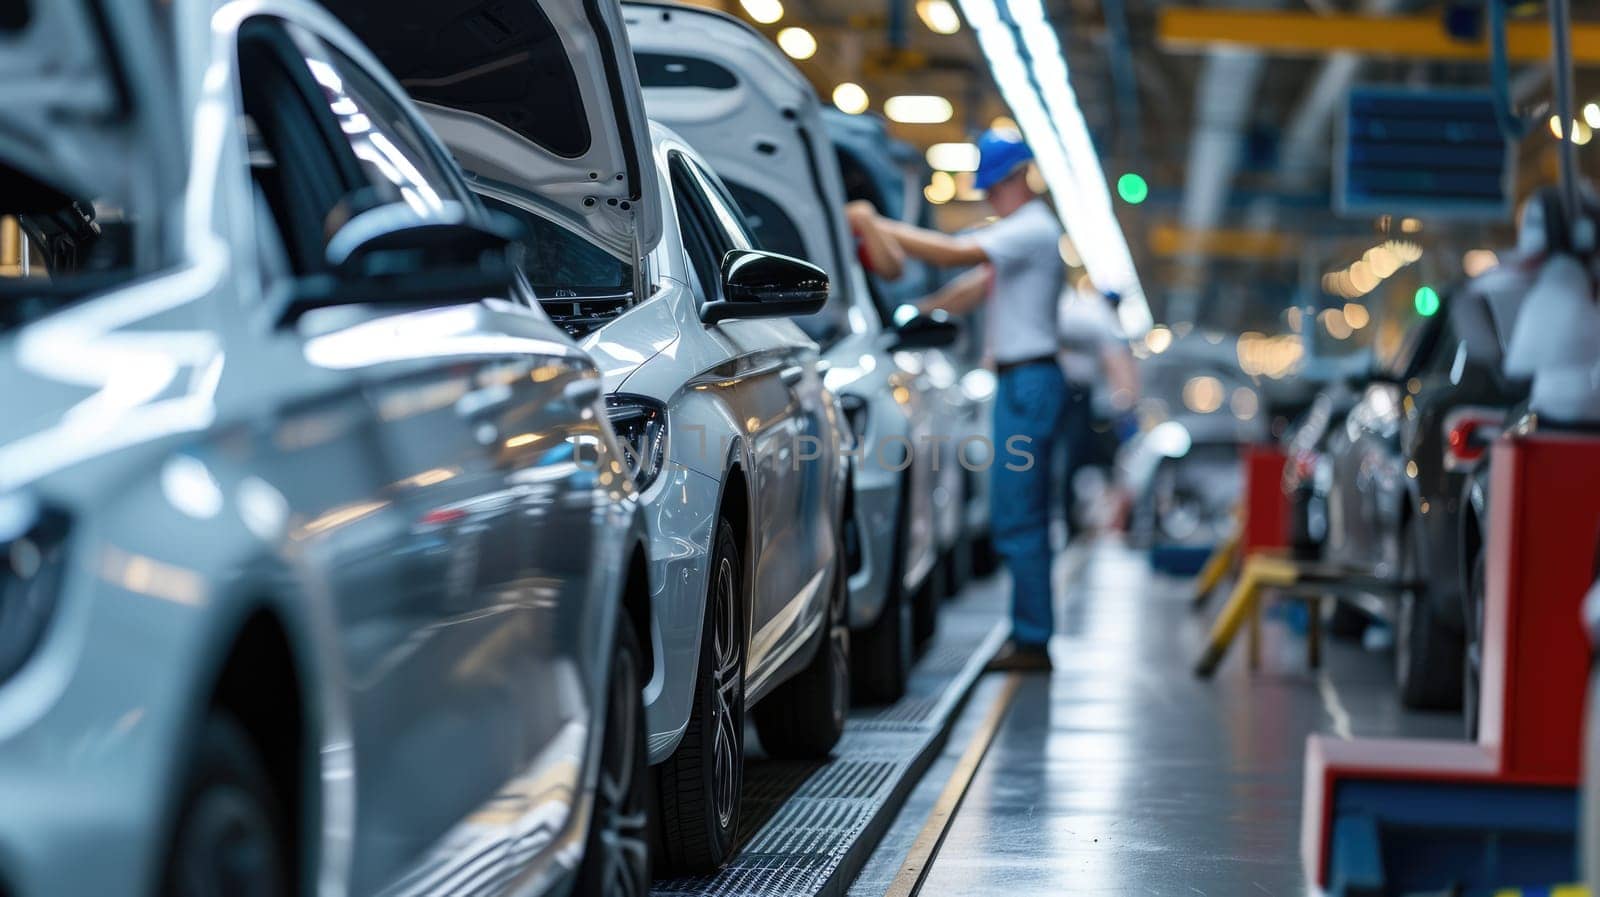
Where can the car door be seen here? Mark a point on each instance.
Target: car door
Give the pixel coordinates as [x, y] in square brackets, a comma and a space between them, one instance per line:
[444, 661]
[771, 367]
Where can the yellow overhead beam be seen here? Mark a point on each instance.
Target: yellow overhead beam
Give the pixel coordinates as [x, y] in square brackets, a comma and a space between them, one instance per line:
[1167, 240]
[1311, 34]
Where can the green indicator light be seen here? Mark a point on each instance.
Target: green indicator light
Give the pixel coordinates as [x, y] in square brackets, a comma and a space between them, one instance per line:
[1426, 301]
[1132, 188]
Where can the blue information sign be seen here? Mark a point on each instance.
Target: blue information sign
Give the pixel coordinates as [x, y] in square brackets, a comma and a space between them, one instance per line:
[1424, 153]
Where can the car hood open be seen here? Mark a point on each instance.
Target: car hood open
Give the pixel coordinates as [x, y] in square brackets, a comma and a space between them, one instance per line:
[735, 98]
[91, 108]
[537, 95]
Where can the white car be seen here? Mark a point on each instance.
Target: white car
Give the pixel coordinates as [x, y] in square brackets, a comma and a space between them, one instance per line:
[311, 580]
[729, 91]
[733, 441]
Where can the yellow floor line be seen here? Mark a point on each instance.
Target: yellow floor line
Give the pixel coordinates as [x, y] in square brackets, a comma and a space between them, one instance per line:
[920, 857]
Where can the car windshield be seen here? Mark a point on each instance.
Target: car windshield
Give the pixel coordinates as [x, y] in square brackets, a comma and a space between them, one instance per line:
[56, 248]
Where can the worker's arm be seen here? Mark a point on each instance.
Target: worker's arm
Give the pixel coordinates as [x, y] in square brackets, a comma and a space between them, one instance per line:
[884, 256]
[960, 295]
[1121, 375]
[932, 246]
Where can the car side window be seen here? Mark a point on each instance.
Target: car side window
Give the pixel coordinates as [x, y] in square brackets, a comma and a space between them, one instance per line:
[399, 162]
[730, 219]
[703, 241]
[295, 165]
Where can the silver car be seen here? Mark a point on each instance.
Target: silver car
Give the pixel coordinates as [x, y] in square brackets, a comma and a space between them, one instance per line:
[732, 438]
[319, 570]
[731, 93]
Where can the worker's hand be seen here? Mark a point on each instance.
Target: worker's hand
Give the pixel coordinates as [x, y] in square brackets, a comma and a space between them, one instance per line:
[859, 212]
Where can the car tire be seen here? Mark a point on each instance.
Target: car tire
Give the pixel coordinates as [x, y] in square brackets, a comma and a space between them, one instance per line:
[804, 717]
[616, 857]
[985, 560]
[957, 567]
[700, 783]
[230, 837]
[884, 651]
[925, 608]
[1427, 652]
[1472, 656]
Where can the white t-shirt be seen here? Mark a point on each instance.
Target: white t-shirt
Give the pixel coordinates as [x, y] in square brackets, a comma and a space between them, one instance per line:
[1024, 253]
[1087, 327]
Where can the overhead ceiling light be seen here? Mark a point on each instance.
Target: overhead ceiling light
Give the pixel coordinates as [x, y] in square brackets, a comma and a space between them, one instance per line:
[1591, 114]
[764, 11]
[1027, 64]
[797, 42]
[939, 16]
[850, 97]
[953, 156]
[914, 109]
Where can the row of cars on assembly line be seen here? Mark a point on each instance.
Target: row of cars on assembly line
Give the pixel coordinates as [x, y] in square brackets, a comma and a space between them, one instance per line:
[415, 466]
[1389, 474]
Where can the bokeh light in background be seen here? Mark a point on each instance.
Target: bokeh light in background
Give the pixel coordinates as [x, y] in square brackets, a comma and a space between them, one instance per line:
[764, 11]
[1426, 301]
[797, 42]
[918, 109]
[1477, 261]
[1202, 394]
[939, 16]
[851, 97]
[1132, 188]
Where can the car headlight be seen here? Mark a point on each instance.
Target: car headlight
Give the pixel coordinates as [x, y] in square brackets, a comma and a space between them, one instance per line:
[31, 562]
[855, 413]
[641, 427]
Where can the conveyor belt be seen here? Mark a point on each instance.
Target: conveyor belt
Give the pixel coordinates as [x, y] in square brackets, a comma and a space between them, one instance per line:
[806, 828]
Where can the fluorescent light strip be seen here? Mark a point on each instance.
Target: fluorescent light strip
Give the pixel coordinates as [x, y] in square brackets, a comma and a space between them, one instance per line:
[1046, 109]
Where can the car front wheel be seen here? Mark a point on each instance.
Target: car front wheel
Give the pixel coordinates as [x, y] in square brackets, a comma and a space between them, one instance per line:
[616, 860]
[701, 782]
[230, 839]
[1427, 652]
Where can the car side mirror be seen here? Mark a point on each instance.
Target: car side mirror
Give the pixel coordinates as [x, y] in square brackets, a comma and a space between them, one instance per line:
[759, 284]
[392, 255]
[929, 331]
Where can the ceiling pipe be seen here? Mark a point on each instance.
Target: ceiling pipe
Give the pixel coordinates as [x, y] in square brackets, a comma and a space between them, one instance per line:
[1224, 99]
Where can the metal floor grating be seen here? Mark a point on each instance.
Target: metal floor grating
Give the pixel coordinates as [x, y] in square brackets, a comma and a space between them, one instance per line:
[807, 828]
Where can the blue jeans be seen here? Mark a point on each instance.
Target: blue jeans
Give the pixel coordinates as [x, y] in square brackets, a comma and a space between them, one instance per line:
[1077, 447]
[1027, 420]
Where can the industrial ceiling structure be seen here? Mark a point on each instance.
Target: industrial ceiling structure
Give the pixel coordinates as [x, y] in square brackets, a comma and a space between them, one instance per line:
[1200, 137]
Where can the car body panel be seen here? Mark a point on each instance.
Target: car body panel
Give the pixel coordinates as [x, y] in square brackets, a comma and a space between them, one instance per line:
[363, 481]
[739, 398]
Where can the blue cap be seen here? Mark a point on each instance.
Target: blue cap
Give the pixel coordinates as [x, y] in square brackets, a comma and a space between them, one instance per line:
[999, 154]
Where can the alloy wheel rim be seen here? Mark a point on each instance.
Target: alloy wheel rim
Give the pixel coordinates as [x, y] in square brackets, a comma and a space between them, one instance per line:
[625, 853]
[727, 681]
